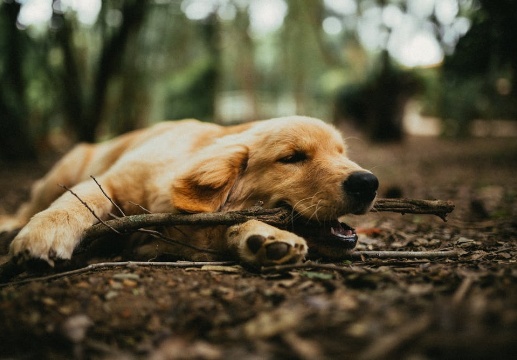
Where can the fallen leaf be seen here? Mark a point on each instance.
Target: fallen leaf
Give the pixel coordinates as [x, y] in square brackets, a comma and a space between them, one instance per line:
[317, 275]
[177, 348]
[48, 301]
[111, 294]
[74, 328]
[129, 283]
[220, 268]
[268, 324]
[126, 276]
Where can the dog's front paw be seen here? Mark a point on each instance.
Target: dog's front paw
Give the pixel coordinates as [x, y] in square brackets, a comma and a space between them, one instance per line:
[275, 250]
[49, 235]
[260, 244]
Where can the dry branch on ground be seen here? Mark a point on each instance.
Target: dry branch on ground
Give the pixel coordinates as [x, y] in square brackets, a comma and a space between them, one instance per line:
[276, 217]
[440, 208]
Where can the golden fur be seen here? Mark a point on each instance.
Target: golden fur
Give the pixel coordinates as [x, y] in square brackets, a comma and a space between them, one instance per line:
[191, 166]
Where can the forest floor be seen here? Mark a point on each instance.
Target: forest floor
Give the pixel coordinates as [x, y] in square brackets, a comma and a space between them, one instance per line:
[442, 308]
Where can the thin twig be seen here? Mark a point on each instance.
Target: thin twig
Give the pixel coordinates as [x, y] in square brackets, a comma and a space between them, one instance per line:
[460, 293]
[141, 207]
[90, 209]
[387, 344]
[404, 254]
[153, 233]
[128, 224]
[306, 265]
[129, 264]
[268, 269]
[108, 197]
[362, 255]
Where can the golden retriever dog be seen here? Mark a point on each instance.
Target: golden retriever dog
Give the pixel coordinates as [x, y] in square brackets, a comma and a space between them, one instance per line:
[190, 166]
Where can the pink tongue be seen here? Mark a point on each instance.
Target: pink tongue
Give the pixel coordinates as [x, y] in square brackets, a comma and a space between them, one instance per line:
[341, 231]
[344, 234]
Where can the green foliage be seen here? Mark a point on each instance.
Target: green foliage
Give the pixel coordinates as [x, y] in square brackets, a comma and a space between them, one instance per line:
[462, 102]
[190, 94]
[144, 61]
[480, 78]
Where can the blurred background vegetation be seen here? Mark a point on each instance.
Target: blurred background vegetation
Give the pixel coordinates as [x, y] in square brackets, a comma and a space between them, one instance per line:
[86, 70]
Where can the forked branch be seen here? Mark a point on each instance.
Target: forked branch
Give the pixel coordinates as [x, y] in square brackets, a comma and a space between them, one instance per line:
[277, 217]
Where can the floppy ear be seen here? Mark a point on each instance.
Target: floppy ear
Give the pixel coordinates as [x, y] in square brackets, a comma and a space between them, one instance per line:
[205, 186]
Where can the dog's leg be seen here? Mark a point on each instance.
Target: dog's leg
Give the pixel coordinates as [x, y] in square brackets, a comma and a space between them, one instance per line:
[55, 232]
[67, 171]
[260, 244]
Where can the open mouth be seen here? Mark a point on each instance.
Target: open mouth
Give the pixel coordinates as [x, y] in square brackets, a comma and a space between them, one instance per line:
[331, 234]
[334, 234]
[343, 233]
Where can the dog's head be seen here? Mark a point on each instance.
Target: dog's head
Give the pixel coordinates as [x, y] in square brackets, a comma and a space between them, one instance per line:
[294, 161]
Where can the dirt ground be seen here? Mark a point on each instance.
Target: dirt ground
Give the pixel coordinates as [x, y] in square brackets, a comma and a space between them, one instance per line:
[443, 308]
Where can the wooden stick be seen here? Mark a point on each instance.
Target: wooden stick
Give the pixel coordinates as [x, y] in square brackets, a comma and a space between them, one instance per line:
[275, 217]
[132, 223]
[268, 269]
[439, 208]
[403, 254]
[306, 265]
[129, 264]
[361, 255]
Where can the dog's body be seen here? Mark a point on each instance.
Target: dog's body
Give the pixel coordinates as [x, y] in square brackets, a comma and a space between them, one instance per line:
[190, 166]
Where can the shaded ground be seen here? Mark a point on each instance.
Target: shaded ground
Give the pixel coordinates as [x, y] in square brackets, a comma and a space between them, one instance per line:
[452, 308]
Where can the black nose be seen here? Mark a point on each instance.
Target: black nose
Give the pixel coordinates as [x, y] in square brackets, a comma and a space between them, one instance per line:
[362, 185]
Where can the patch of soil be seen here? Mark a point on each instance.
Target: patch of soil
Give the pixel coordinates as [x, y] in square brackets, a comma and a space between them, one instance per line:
[445, 308]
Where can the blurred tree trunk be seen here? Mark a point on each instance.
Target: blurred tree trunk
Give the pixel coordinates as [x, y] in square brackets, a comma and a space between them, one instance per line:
[502, 20]
[192, 90]
[15, 142]
[484, 56]
[386, 106]
[131, 106]
[246, 69]
[84, 109]
[297, 58]
[211, 78]
[376, 106]
[304, 52]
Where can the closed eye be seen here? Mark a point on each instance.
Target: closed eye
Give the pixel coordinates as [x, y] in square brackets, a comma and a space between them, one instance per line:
[293, 158]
